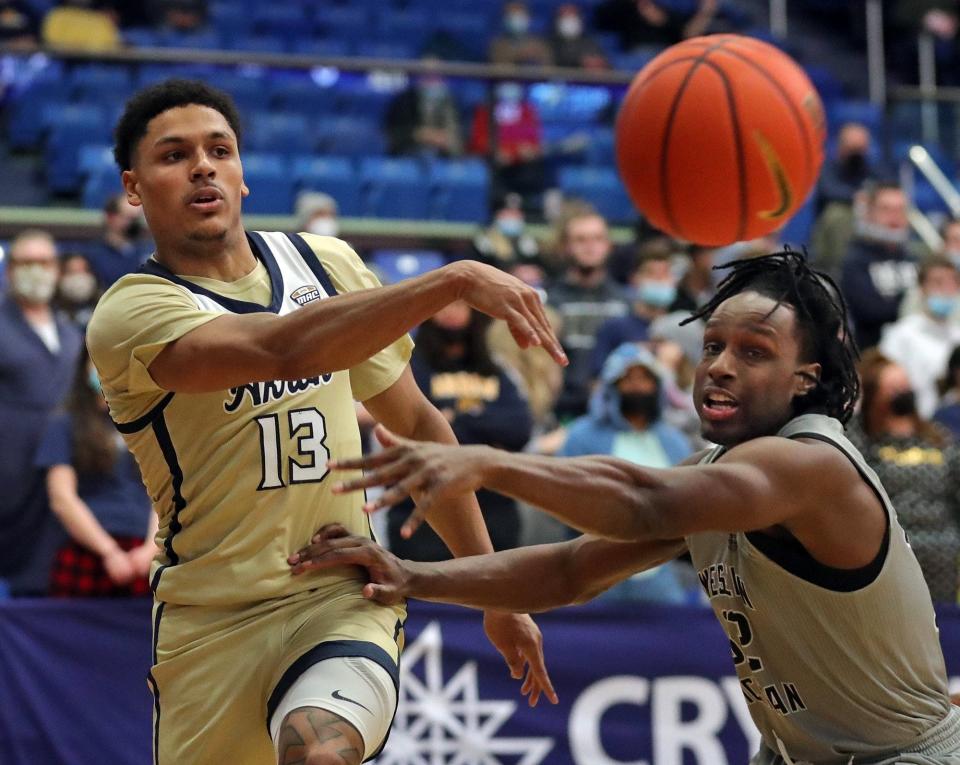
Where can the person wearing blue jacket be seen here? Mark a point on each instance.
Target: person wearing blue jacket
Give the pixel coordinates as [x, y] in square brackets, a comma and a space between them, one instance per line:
[625, 420]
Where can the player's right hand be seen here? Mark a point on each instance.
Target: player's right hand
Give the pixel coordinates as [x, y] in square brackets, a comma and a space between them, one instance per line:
[119, 567]
[333, 546]
[502, 296]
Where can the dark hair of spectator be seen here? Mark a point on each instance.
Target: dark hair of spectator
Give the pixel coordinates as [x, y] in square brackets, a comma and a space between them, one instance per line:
[156, 99]
[875, 188]
[951, 376]
[931, 262]
[871, 367]
[431, 344]
[92, 437]
[821, 317]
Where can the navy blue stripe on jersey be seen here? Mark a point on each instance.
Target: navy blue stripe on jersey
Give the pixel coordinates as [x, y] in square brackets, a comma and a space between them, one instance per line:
[333, 649]
[141, 422]
[262, 252]
[790, 554]
[155, 688]
[179, 503]
[313, 263]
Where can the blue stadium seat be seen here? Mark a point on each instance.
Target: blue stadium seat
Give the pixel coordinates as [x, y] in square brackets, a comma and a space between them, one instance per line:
[392, 266]
[266, 163]
[95, 156]
[461, 190]
[203, 39]
[926, 198]
[100, 185]
[280, 132]
[25, 124]
[410, 24]
[350, 136]
[388, 48]
[335, 176]
[71, 126]
[632, 62]
[395, 188]
[250, 93]
[601, 187]
[143, 37]
[342, 21]
[364, 102]
[602, 149]
[259, 43]
[867, 113]
[282, 18]
[304, 97]
[939, 155]
[271, 185]
[323, 46]
[90, 77]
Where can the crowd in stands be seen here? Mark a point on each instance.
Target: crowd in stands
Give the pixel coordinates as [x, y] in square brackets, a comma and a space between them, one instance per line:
[76, 520]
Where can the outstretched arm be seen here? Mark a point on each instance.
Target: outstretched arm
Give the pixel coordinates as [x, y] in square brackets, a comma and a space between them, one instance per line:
[758, 484]
[537, 578]
[342, 331]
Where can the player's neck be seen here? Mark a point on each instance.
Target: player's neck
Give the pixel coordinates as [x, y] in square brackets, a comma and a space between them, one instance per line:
[226, 260]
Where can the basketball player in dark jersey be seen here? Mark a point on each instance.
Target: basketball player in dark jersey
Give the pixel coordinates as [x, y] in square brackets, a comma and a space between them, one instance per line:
[796, 543]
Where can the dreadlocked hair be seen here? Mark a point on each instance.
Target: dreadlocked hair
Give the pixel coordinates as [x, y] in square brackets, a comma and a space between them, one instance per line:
[821, 316]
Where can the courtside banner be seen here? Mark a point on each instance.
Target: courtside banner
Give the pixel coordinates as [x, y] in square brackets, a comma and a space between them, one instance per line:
[639, 685]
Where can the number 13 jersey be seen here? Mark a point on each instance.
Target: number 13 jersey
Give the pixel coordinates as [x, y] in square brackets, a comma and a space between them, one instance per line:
[238, 477]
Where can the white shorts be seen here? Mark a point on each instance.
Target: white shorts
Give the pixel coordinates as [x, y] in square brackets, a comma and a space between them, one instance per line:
[357, 689]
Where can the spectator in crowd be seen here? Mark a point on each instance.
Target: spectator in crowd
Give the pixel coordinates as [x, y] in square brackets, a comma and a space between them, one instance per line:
[914, 300]
[78, 289]
[569, 42]
[585, 297]
[124, 245]
[507, 243]
[38, 354]
[878, 269]
[921, 342]
[653, 290]
[424, 119]
[518, 160]
[626, 421]
[948, 408]
[696, 285]
[840, 181]
[80, 25]
[95, 490]
[18, 24]
[484, 405]
[517, 44]
[317, 213]
[917, 467]
[647, 24]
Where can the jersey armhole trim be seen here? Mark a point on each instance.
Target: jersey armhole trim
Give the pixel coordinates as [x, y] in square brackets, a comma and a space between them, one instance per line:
[141, 422]
[313, 263]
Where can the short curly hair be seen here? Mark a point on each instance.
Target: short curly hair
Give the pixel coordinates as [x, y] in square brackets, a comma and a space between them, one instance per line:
[156, 99]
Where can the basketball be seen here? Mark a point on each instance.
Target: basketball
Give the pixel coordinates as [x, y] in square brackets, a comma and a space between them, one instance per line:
[720, 139]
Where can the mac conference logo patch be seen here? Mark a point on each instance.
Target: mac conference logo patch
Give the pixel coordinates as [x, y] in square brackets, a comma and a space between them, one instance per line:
[305, 294]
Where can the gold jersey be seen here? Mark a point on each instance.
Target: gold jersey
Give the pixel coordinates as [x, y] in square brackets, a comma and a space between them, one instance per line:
[238, 477]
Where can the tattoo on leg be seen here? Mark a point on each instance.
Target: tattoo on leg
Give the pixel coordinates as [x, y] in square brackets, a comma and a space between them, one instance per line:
[305, 725]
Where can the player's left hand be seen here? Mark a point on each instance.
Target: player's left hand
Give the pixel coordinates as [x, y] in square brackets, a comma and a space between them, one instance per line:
[518, 639]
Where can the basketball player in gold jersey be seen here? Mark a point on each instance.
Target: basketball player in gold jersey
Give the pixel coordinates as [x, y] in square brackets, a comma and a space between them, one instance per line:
[796, 543]
[231, 363]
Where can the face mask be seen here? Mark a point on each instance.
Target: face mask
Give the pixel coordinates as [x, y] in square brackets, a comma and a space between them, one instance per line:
[510, 227]
[517, 23]
[854, 166]
[33, 283]
[133, 229]
[941, 306]
[645, 405]
[904, 404]
[324, 227]
[93, 379]
[656, 294]
[569, 26]
[434, 90]
[79, 287]
[882, 234]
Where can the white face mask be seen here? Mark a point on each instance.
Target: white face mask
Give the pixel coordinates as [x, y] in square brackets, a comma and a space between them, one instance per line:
[324, 227]
[883, 234]
[33, 283]
[569, 26]
[79, 287]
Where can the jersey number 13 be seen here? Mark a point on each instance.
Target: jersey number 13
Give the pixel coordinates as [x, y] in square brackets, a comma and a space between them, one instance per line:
[308, 430]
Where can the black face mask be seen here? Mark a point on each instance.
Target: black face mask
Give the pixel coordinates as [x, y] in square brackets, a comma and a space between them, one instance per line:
[854, 166]
[586, 271]
[903, 404]
[645, 405]
[453, 336]
[133, 229]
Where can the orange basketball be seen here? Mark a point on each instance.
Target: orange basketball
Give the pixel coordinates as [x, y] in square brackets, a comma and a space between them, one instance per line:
[720, 139]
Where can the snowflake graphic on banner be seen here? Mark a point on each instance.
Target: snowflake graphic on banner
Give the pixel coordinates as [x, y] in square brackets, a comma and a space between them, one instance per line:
[448, 723]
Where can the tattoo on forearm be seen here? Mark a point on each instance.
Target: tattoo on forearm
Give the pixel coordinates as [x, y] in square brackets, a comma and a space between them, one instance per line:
[307, 724]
